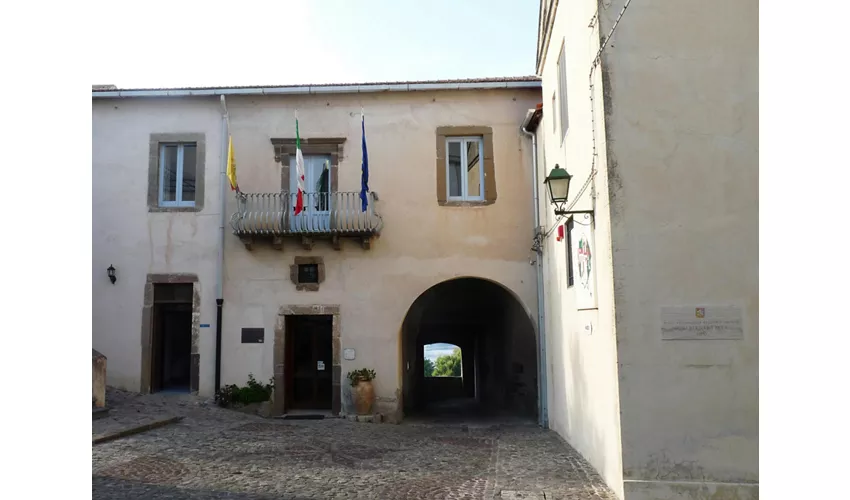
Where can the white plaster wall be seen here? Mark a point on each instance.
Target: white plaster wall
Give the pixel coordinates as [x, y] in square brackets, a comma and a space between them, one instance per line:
[137, 242]
[582, 365]
[422, 244]
[683, 160]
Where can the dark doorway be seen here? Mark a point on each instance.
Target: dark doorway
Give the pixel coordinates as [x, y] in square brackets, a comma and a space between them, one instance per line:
[490, 332]
[171, 340]
[308, 372]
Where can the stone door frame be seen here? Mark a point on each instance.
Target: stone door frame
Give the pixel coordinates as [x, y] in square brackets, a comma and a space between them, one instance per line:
[280, 352]
[147, 327]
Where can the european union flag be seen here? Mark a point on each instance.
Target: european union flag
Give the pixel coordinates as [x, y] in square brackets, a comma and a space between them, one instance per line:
[364, 167]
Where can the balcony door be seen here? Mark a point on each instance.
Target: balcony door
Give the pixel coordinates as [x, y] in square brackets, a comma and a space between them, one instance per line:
[316, 216]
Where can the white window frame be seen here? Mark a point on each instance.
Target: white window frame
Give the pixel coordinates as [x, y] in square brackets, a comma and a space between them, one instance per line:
[464, 179]
[178, 202]
[562, 93]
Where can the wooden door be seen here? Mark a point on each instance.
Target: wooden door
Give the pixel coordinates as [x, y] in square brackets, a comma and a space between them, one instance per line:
[310, 360]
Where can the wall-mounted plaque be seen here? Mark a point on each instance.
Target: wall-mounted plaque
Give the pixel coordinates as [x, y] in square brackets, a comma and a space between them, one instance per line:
[701, 323]
[253, 335]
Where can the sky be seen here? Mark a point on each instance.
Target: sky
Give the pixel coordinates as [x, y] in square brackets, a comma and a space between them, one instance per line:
[434, 351]
[189, 43]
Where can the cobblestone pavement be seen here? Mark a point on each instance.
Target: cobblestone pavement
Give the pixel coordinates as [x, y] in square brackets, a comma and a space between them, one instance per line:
[128, 410]
[215, 453]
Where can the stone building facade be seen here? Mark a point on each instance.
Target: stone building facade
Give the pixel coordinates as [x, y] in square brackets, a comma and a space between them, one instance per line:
[351, 277]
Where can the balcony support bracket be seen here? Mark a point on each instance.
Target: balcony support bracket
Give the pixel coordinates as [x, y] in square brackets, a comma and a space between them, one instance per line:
[307, 242]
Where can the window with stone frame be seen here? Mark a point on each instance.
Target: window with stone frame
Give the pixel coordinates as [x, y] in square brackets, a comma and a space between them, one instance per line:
[465, 166]
[307, 273]
[176, 169]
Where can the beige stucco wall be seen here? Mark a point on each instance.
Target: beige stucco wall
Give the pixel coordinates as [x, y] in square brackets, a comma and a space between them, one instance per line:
[422, 244]
[582, 384]
[137, 242]
[683, 123]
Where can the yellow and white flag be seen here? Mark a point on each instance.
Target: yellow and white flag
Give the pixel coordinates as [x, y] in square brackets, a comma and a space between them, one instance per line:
[231, 165]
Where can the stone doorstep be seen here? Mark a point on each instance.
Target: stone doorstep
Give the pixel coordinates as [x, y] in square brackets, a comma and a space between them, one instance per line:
[129, 431]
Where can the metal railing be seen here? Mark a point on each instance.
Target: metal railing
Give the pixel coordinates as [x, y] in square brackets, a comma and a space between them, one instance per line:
[273, 214]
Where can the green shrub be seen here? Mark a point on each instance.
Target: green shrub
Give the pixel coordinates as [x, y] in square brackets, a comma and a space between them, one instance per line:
[364, 374]
[254, 392]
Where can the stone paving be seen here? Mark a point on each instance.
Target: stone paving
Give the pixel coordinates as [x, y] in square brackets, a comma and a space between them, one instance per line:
[129, 410]
[215, 453]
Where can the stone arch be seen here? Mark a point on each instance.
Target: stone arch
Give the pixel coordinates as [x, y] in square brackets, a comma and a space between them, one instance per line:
[497, 336]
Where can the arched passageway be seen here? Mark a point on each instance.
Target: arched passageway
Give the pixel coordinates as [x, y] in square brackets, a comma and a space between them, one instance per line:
[488, 325]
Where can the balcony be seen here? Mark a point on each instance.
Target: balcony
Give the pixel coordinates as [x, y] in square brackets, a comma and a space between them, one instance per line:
[334, 216]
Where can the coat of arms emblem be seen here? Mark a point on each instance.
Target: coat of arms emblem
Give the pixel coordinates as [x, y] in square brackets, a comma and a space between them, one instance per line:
[584, 261]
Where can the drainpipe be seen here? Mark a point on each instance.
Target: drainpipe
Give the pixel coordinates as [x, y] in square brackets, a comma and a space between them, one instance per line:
[543, 419]
[219, 297]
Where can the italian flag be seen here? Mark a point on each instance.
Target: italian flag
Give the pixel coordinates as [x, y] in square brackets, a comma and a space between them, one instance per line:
[299, 171]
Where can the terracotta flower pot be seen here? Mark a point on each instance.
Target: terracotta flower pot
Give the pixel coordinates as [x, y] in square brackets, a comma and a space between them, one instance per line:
[364, 397]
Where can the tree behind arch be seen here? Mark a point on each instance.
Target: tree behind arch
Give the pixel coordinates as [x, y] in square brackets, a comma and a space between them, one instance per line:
[449, 365]
[429, 368]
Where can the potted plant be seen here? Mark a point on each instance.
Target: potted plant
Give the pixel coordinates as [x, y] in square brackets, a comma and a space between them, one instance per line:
[364, 391]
